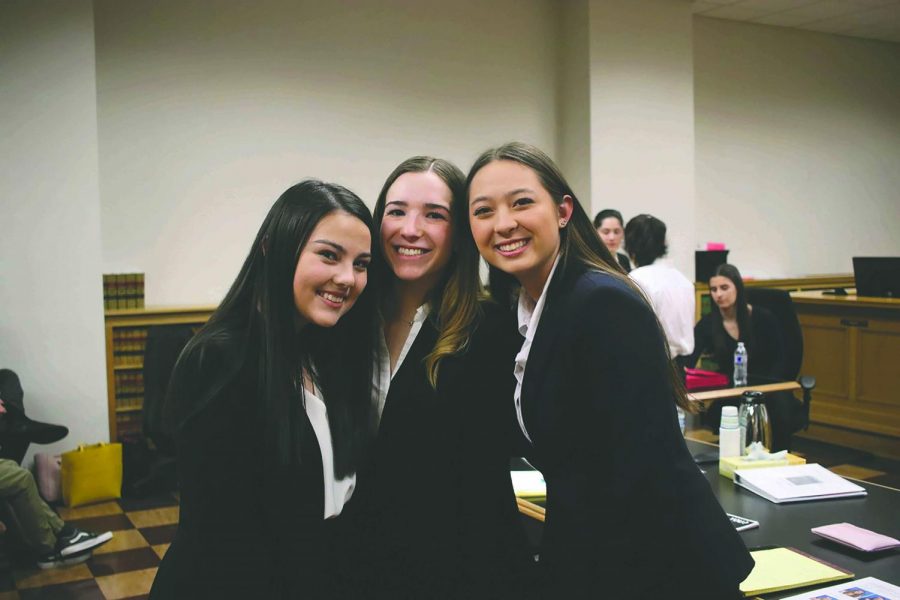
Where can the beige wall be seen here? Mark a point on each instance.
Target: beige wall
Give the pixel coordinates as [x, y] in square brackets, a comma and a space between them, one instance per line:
[642, 115]
[205, 117]
[573, 135]
[51, 322]
[798, 147]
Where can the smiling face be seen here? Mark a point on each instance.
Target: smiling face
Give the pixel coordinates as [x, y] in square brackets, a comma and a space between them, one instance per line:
[332, 269]
[515, 222]
[722, 292]
[611, 233]
[416, 232]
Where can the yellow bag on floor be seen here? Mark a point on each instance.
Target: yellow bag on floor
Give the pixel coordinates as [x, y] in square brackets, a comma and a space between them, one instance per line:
[91, 474]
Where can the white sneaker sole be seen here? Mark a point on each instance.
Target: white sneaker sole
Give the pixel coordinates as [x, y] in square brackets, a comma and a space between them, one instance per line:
[65, 562]
[86, 544]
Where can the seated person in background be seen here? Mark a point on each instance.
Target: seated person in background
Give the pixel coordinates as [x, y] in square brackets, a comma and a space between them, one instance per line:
[670, 293]
[53, 542]
[608, 224]
[733, 320]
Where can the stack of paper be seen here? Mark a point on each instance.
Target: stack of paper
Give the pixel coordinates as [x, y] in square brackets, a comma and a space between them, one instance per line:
[529, 484]
[796, 483]
[786, 568]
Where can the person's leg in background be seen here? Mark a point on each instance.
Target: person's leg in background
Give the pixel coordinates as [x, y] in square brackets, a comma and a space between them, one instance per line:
[53, 541]
[38, 524]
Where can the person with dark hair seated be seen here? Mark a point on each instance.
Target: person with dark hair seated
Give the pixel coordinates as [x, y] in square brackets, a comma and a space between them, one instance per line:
[609, 224]
[670, 292]
[734, 320]
[53, 542]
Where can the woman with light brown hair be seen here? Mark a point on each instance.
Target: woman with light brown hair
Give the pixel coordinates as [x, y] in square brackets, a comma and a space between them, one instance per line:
[437, 515]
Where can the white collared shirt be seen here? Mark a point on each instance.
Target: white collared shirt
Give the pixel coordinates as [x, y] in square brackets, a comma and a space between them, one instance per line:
[337, 491]
[382, 372]
[672, 297]
[529, 313]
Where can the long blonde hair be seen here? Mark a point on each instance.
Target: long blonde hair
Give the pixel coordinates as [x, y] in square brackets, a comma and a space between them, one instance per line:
[454, 301]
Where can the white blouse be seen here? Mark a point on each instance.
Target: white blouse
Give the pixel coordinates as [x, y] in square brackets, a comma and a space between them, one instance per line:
[529, 313]
[337, 491]
[382, 371]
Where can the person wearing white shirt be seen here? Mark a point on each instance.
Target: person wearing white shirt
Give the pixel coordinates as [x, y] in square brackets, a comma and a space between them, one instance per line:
[670, 293]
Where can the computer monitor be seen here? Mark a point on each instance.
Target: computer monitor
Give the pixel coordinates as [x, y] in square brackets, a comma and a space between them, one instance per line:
[877, 276]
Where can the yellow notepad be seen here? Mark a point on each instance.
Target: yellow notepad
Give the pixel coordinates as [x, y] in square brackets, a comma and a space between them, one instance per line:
[786, 568]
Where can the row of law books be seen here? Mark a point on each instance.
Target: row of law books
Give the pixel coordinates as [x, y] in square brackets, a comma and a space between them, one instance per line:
[129, 390]
[129, 344]
[123, 290]
[128, 425]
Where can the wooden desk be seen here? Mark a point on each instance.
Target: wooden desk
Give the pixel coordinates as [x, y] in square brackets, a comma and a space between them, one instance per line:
[707, 397]
[851, 345]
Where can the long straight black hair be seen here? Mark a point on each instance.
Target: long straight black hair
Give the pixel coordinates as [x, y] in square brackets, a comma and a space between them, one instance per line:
[580, 248]
[742, 312]
[255, 326]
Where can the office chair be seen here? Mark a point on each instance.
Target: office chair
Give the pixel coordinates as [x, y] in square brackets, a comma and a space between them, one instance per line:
[779, 303]
[164, 345]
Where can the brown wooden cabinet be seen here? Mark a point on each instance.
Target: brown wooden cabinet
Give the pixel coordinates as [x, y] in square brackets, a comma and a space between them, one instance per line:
[852, 347]
[126, 339]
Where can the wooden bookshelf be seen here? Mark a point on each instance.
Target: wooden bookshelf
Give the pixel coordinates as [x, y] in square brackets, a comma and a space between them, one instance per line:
[126, 339]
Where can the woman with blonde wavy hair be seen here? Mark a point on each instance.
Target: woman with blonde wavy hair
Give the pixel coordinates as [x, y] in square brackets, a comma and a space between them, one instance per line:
[437, 515]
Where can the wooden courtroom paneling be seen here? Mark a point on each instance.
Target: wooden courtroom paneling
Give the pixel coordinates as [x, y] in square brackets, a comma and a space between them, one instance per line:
[852, 348]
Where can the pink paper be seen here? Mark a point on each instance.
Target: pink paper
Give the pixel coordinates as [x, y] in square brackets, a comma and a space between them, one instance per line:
[715, 246]
[856, 537]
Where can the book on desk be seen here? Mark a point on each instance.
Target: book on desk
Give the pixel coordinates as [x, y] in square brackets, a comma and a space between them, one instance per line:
[796, 483]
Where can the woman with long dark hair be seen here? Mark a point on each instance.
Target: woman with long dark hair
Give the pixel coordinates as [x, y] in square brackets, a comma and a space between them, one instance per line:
[596, 398]
[438, 512]
[734, 320]
[271, 406]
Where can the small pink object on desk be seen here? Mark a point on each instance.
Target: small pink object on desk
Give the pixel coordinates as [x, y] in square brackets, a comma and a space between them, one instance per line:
[856, 537]
[698, 379]
[715, 246]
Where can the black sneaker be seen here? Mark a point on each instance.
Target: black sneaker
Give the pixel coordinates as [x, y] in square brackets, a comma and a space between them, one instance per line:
[72, 540]
[55, 559]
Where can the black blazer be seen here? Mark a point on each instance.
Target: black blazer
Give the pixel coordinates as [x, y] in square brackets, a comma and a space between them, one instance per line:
[766, 357]
[247, 529]
[625, 501]
[438, 513]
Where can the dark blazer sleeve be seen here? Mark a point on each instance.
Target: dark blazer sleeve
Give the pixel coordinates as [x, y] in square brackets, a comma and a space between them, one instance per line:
[493, 548]
[642, 483]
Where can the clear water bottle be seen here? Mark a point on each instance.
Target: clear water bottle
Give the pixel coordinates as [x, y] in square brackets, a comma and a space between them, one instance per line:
[740, 365]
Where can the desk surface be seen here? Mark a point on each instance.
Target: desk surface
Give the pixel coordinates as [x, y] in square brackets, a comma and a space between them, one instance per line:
[708, 396]
[790, 524]
[850, 300]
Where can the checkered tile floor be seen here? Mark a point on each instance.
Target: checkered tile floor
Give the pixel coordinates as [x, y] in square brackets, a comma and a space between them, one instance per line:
[122, 568]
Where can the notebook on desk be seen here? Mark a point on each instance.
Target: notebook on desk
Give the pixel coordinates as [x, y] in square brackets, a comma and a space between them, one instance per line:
[796, 483]
[877, 276]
